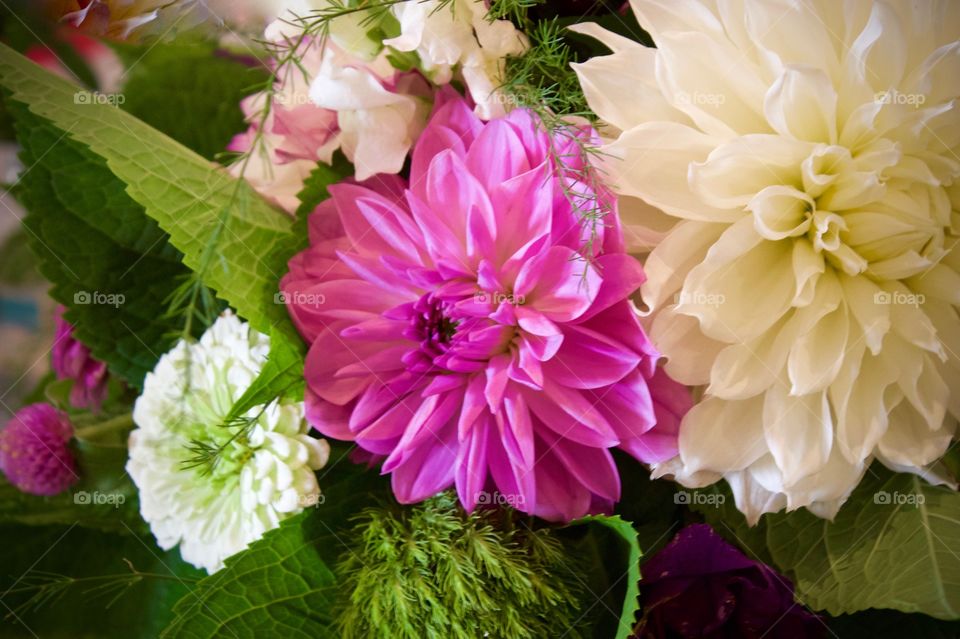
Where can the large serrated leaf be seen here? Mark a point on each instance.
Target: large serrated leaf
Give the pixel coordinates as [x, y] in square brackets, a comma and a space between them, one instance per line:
[895, 544]
[187, 195]
[107, 261]
[190, 93]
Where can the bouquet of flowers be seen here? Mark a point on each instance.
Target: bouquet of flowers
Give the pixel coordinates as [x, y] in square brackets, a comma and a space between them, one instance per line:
[465, 318]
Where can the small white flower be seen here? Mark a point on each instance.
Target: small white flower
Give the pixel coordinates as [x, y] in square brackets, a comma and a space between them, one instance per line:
[260, 478]
[807, 153]
[380, 111]
[459, 36]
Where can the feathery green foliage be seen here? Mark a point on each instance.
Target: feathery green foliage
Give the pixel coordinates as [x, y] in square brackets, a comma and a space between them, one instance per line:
[542, 79]
[515, 10]
[435, 572]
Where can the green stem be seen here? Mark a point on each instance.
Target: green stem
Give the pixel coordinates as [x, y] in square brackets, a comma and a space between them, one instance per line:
[120, 422]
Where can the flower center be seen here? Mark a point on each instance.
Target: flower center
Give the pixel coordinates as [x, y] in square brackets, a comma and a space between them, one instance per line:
[452, 335]
[436, 330]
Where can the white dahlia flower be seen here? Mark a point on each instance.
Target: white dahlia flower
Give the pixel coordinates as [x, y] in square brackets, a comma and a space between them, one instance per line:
[808, 153]
[260, 477]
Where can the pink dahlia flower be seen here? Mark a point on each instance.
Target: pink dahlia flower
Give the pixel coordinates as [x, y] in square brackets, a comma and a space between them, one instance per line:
[457, 333]
[72, 360]
[34, 452]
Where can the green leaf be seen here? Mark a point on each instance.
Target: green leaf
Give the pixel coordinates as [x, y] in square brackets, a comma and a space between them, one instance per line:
[315, 186]
[283, 585]
[85, 610]
[901, 554]
[204, 209]
[190, 93]
[281, 376]
[650, 504]
[618, 546]
[109, 264]
[892, 545]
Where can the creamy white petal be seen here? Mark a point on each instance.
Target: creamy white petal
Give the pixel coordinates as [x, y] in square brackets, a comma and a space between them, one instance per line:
[744, 370]
[672, 259]
[780, 212]
[909, 442]
[618, 88]
[734, 172]
[752, 499]
[711, 82]
[654, 158]
[613, 41]
[798, 432]
[858, 397]
[710, 426]
[721, 290]
[672, 331]
[802, 104]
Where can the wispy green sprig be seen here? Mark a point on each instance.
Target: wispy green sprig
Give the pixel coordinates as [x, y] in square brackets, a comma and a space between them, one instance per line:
[206, 455]
[543, 81]
[47, 588]
[513, 10]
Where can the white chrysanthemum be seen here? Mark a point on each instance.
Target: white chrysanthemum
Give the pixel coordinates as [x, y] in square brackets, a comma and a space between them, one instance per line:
[810, 150]
[459, 36]
[259, 479]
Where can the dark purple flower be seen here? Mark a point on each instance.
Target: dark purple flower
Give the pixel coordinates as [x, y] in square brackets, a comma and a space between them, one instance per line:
[701, 586]
[72, 360]
[34, 452]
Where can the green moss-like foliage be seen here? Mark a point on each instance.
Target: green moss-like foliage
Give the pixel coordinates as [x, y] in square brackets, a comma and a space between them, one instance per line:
[433, 571]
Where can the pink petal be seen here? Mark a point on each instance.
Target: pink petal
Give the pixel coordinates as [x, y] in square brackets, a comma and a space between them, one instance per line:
[441, 242]
[516, 484]
[517, 430]
[462, 204]
[592, 467]
[474, 405]
[452, 126]
[560, 497]
[496, 372]
[383, 435]
[570, 414]
[432, 415]
[330, 419]
[558, 283]
[429, 470]
[588, 359]
[497, 154]
[524, 206]
[622, 276]
[380, 397]
[373, 224]
[472, 465]
[326, 356]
